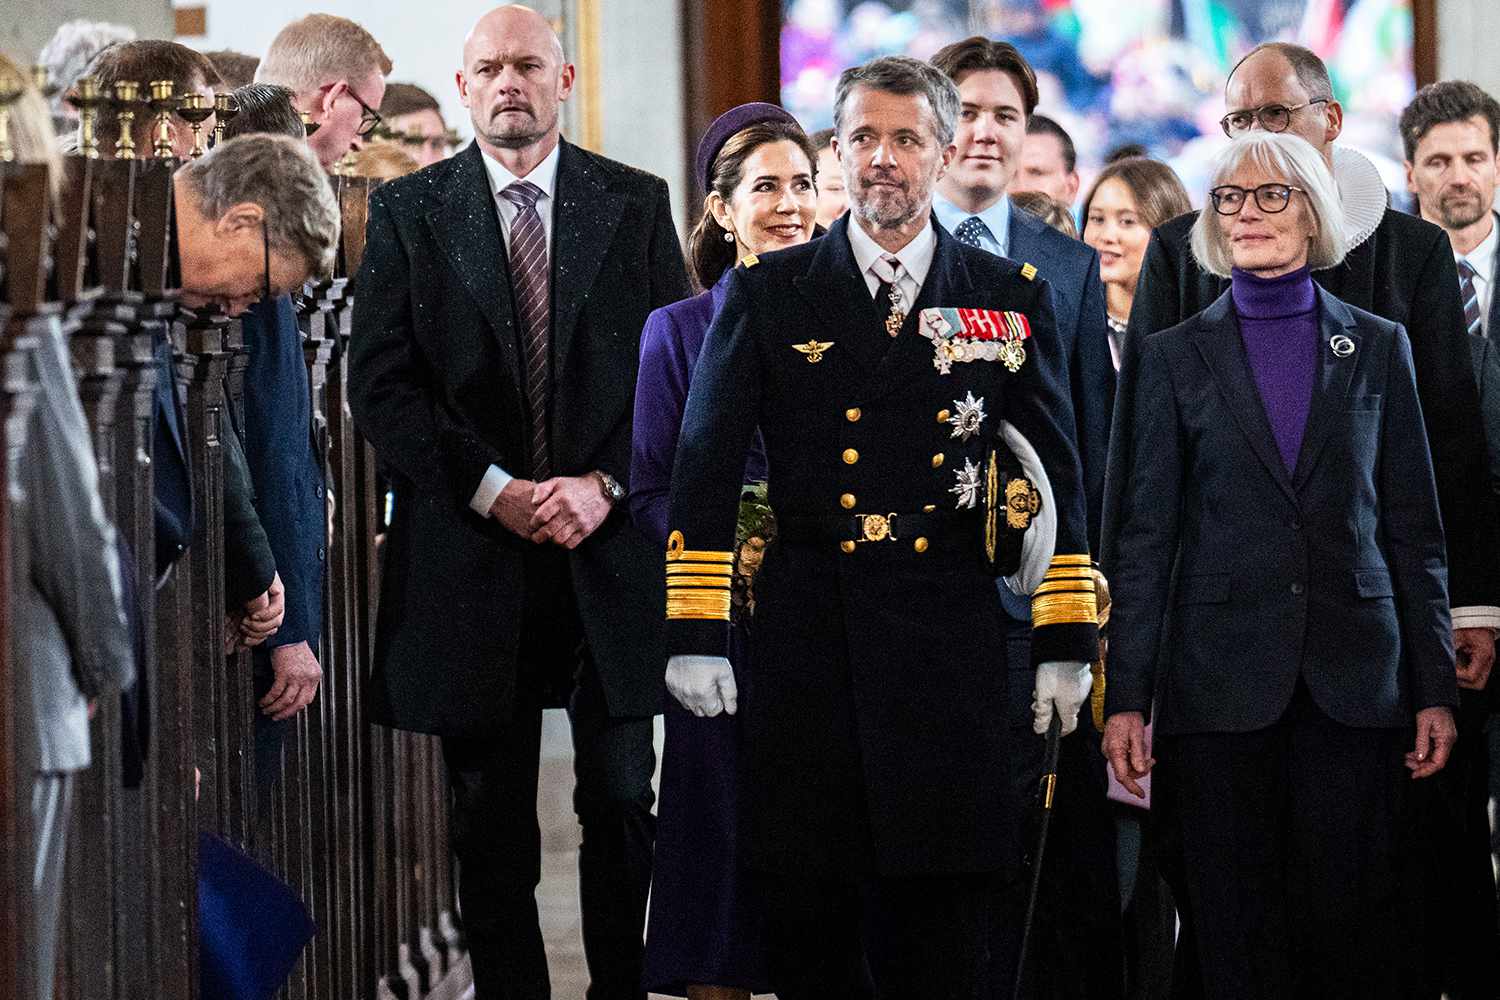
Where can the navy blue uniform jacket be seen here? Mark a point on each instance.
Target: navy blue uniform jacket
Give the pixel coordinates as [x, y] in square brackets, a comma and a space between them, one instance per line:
[874, 714]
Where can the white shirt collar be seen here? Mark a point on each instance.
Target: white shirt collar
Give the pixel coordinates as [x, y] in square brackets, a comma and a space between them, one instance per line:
[915, 257]
[543, 175]
[1482, 257]
[1361, 192]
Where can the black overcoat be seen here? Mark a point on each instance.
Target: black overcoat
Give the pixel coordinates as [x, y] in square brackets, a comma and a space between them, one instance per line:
[436, 382]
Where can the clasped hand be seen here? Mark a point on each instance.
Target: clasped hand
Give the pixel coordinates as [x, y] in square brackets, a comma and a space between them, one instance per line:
[564, 510]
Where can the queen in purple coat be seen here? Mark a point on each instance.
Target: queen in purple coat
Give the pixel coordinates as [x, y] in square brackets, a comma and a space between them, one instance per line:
[703, 935]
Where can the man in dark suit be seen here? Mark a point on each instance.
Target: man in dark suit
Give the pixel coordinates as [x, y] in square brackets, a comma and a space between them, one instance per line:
[1451, 132]
[1399, 268]
[499, 315]
[876, 790]
[1082, 905]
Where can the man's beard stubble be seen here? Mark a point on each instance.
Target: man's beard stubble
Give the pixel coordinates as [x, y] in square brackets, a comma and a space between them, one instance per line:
[517, 136]
[1459, 213]
[894, 209]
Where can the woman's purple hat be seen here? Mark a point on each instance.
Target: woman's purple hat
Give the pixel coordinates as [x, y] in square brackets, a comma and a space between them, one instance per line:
[730, 122]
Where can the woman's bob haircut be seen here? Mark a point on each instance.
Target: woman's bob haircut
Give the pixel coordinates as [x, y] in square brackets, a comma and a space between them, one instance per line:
[1287, 158]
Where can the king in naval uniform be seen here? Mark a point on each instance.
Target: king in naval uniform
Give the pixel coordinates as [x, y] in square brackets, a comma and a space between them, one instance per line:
[916, 424]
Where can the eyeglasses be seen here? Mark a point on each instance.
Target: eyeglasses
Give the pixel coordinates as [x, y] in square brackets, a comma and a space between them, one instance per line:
[369, 118]
[1272, 117]
[1228, 199]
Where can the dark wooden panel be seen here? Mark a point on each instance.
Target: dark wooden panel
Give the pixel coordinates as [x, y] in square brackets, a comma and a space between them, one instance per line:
[732, 54]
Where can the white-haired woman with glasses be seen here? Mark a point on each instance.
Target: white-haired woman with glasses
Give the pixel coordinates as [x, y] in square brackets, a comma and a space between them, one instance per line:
[1280, 598]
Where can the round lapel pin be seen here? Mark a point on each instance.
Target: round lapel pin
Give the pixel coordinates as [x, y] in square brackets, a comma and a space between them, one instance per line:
[1341, 346]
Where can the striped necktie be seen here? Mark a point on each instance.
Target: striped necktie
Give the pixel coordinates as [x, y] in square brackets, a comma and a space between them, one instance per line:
[530, 278]
[1473, 319]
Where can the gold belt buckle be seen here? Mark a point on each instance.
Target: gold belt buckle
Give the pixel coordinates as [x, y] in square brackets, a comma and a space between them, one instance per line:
[876, 527]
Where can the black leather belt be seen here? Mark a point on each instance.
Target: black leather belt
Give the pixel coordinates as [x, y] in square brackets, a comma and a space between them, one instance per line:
[890, 527]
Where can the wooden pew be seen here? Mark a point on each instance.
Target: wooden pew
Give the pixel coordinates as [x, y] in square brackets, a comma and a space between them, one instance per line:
[359, 824]
[22, 271]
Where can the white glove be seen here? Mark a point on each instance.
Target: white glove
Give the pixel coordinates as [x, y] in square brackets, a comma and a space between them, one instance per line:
[1061, 686]
[704, 685]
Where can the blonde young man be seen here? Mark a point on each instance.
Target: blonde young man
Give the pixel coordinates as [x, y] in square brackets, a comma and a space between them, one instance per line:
[337, 71]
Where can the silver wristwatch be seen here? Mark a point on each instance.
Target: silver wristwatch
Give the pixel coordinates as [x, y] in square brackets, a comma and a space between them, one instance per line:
[613, 491]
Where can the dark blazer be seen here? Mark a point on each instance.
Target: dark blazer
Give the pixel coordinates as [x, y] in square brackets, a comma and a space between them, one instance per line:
[436, 385]
[249, 565]
[1404, 272]
[874, 716]
[284, 464]
[1334, 574]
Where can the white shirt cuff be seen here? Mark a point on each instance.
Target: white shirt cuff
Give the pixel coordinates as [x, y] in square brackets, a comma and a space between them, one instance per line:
[1477, 616]
[495, 480]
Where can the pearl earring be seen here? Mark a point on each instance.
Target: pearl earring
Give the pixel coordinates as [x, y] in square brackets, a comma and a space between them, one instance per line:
[728, 237]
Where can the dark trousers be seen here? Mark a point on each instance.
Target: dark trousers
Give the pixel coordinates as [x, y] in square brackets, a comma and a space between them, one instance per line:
[495, 835]
[1288, 845]
[1450, 812]
[1077, 940]
[879, 938]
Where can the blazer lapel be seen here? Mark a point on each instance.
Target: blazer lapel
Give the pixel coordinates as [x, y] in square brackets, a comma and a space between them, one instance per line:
[467, 228]
[1218, 341]
[1332, 388]
[585, 214]
[837, 292]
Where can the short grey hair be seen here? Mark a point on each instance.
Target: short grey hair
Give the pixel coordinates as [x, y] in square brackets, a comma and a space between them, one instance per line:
[70, 50]
[280, 175]
[1294, 159]
[903, 75]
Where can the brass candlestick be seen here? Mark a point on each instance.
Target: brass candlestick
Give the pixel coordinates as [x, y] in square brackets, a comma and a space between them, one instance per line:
[163, 103]
[308, 125]
[127, 101]
[345, 165]
[88, 99]
[195, 109]
[11, 89]
[226, 106]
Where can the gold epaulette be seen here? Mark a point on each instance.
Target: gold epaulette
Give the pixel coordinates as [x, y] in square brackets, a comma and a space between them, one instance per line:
[1028, 271]
[1066, 594]
[749, 260]
[697, 582]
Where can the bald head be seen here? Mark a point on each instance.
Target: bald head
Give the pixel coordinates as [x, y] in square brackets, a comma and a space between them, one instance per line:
[513, 82]
[513, 23]
[1293, 77]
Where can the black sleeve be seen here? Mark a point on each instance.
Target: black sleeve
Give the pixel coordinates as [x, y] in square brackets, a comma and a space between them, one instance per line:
[249, 565]
[718, 423]
[394, 392]
[1143, 529]
[1455, 430]
[669, 279]
[1413, 532]
[1064, 622]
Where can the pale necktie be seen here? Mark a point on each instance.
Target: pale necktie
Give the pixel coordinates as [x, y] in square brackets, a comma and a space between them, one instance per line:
[890, 301]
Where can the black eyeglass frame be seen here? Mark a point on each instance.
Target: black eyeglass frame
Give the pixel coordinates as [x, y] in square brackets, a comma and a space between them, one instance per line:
[1260, 115]
[369, 118]
[1216, 198]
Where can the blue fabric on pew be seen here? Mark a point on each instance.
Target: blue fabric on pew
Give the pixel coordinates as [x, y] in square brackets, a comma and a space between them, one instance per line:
[253, 926]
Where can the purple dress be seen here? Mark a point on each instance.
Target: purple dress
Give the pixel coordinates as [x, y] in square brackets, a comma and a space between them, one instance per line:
[703, 928]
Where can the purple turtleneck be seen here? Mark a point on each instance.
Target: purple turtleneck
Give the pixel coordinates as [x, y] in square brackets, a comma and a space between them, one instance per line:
[1279, 325]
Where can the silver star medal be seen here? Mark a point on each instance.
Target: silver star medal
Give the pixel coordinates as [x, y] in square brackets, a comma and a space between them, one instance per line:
[967, 416]
[967, 487]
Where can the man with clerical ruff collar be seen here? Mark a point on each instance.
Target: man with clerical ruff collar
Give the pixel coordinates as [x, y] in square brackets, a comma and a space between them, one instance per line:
[916, 421]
